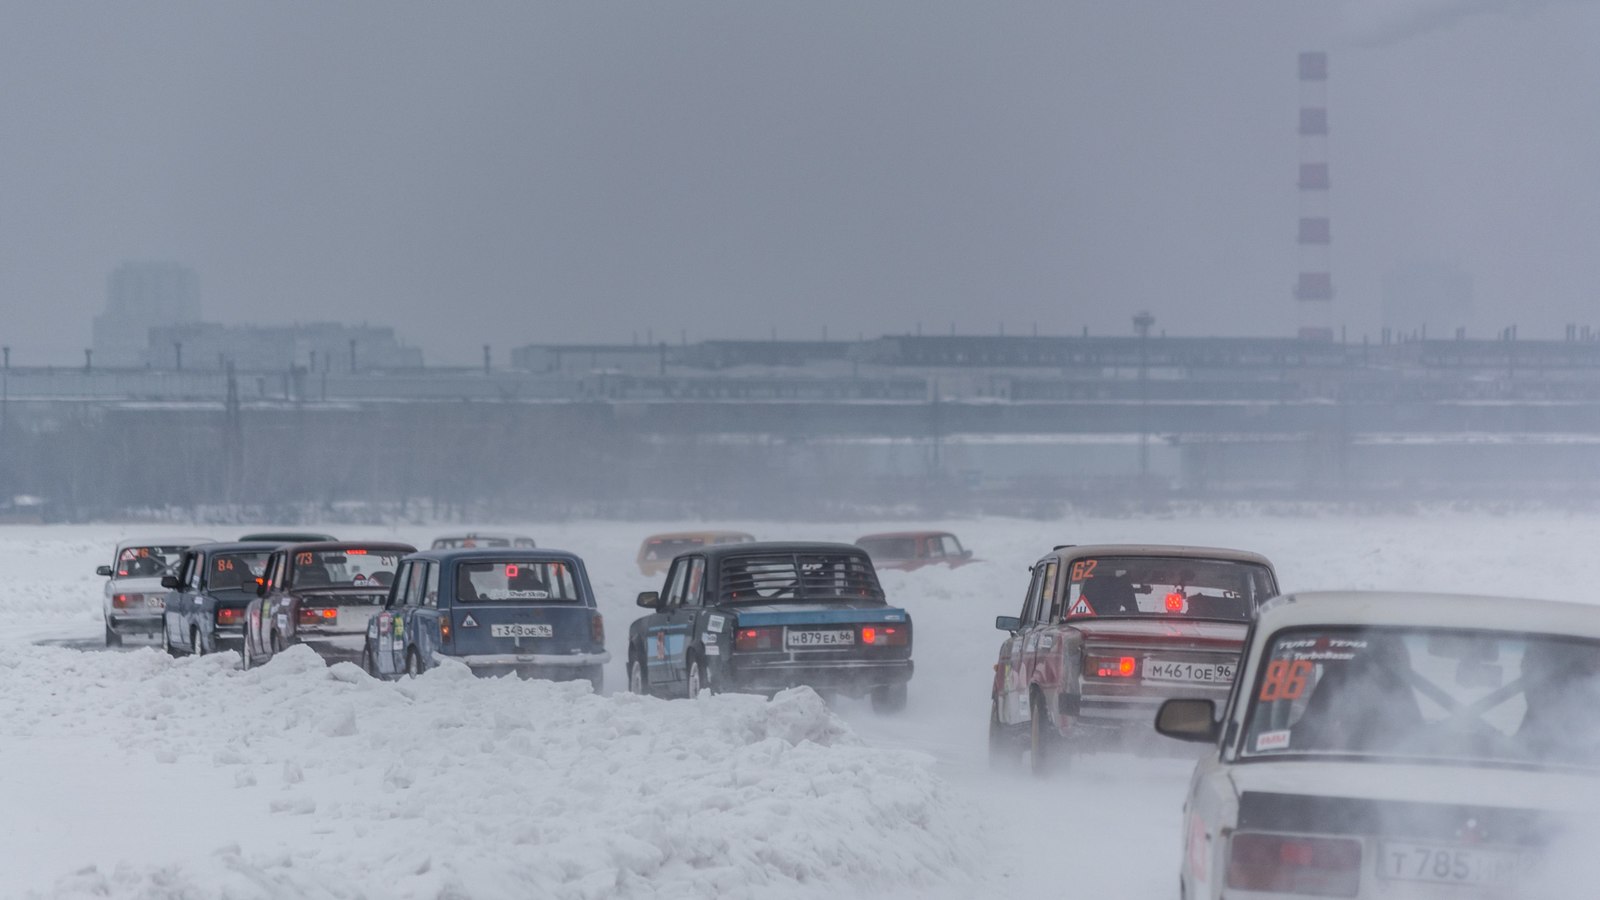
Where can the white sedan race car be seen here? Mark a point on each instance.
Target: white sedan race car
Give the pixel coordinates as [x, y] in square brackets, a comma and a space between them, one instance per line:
[134, 599]
[1400, 745]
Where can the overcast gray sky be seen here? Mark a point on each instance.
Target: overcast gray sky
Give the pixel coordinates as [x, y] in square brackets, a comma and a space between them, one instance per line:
[524, 172]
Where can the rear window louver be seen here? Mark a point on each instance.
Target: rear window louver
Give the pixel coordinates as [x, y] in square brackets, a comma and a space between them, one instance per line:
[789, 577]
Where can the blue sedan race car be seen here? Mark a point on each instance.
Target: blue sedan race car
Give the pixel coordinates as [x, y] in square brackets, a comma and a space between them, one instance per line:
[762, 617]
[501, 611]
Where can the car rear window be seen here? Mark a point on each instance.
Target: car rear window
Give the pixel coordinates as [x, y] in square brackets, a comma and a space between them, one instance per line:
[804, 576]
[145, 562]
[515, 581]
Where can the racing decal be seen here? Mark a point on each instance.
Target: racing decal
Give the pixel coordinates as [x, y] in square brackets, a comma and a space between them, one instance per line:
[506, 594]
[1046, 642]
[1083, 569]
[715, 623]
[1272, 740]
[713, 649]
[283, 621]
[661, 645]
[469, 622]
[399, 627]
[1081, 608]
[1285, 680]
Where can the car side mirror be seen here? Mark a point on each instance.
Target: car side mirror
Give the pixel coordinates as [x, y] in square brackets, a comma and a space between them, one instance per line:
[650, 600]
[1188, 719]
[103, 571]
[170, 582]
[1012, 624]
[261, 587]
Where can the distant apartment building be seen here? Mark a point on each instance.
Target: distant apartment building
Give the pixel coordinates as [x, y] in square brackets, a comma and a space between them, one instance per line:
[141, 296]
[315, 346]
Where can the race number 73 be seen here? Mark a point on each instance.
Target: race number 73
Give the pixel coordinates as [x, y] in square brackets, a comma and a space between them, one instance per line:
[1285, 680]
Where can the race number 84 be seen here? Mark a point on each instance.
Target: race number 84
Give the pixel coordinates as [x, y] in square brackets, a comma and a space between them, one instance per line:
[1285, 680]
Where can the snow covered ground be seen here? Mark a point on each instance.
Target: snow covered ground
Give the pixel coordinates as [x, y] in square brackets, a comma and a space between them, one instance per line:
[127, 774]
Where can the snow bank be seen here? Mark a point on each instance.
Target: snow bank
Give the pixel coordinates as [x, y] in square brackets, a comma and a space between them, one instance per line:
[311, 781]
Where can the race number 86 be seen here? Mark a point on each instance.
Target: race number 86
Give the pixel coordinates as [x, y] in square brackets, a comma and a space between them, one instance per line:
[1285, 680]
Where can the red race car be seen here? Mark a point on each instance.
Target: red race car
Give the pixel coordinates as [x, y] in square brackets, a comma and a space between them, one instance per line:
[908, 550]
[1108, 633]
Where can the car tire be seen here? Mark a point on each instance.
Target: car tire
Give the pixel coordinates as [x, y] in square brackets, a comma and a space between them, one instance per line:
[695, 679]
[1042, 741]
[166, 641]
[413, 663]
[1004, 748]
[889, 698]
[112, 638]
[197, 642]
[636, 675]
[246, 653]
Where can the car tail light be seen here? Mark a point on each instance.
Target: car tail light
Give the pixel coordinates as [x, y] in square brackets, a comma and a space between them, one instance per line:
[597, 629]
[885, 635]
[317, 616]
[444, 629]
[1110, 666]
[756, 639]
[123, 601]
[1329, 867]
[230, 616]
[1175, 602]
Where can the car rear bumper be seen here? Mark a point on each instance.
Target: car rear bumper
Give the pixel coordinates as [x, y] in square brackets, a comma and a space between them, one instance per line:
[1137, 710]
[135, 622]
[556, 667]
[845, 675]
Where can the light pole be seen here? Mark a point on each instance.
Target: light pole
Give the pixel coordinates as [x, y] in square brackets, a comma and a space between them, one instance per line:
[1141, 326]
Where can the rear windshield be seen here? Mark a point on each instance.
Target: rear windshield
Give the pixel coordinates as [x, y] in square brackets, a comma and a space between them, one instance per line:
[515, 582]
[474, 540]
[144, 562]
[890, 548]
[806, 576]
[1167, 587]
[236, 571]
[355, 567]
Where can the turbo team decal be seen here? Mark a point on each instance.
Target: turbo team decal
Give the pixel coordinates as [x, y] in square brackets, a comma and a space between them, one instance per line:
[1272, 740]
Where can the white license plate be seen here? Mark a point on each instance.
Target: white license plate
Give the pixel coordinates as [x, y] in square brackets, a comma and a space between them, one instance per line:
[520, 630]
[833, 637]
[1188, 672]
[155, 602]
[1436, 864]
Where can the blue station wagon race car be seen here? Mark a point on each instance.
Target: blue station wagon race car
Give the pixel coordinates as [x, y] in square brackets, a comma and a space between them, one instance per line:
[502, 611]
[762, 617]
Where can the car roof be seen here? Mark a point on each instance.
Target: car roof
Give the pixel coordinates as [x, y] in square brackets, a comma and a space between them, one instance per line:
[1082, 551]
[464, 535]
[881, 535]
[344, 545]
[284, 537]
[165, 541]
[1424, 610]
[759, 548]
[540, 554]
[236, 546]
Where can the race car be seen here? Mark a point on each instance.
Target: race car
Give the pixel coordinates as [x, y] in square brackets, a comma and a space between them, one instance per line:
[507, 611]
[1399, 745]
[321, 594]
[133, 596]
[481, 539]
[1106, 633]
[762, 617]
[208, 594]
[658, 550]
[911, 550]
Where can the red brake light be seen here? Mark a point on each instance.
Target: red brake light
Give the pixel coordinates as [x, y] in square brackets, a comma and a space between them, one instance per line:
[1330, 867]
[869, 635]
[756, 639]
[1110, 666]
[884, 635]
[229, 616]
[444, 629]
[1175, 602]
[355, 552]
[313, 616]
[123, 601]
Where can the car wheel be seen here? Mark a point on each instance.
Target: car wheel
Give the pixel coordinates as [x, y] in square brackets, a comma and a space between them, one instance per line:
[697, 677]
[1041, 737]
[197, 644]
[249, 656]
[413, 663]
[112, 638]
[888, 698]
[635, 675]
[1004, 748]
